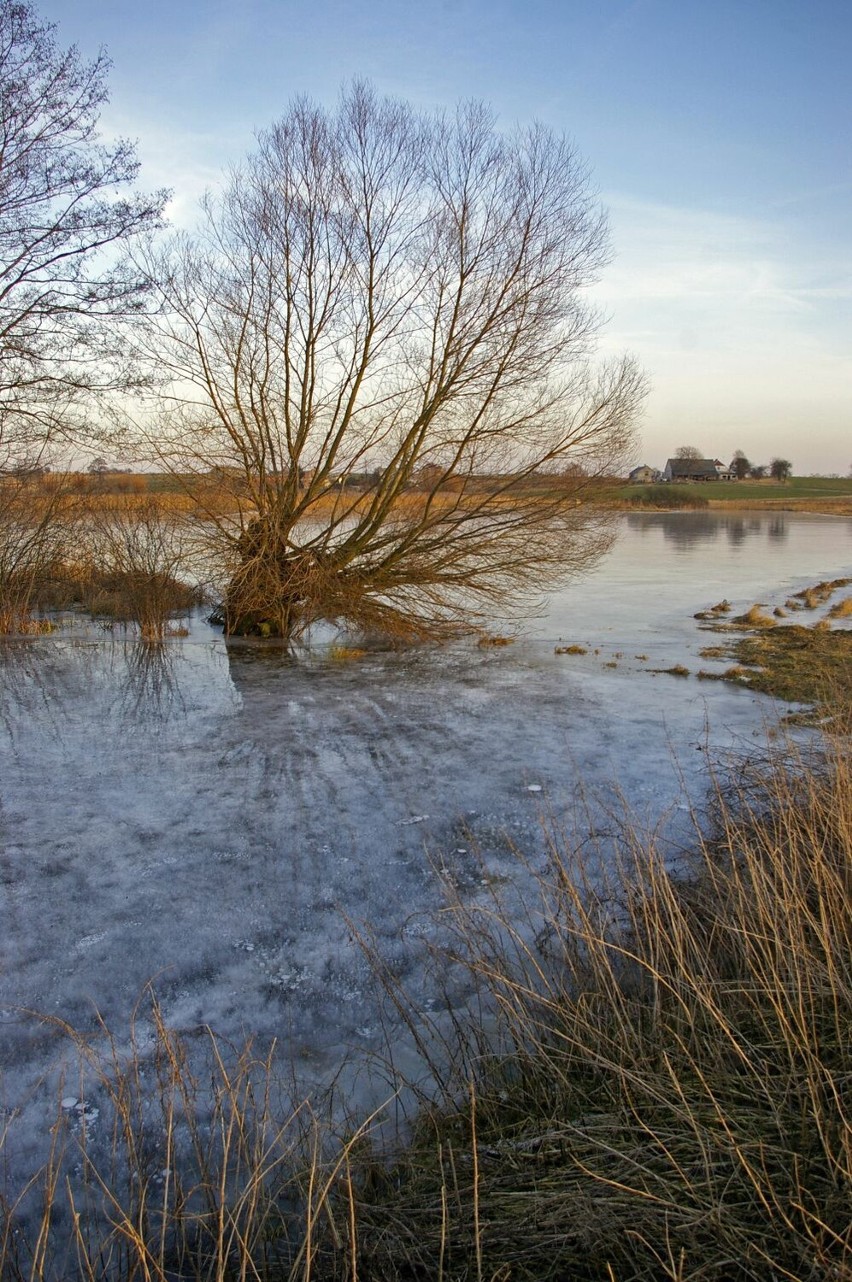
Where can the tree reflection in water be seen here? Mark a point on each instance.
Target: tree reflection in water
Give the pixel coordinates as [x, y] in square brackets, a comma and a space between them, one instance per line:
[150, 688]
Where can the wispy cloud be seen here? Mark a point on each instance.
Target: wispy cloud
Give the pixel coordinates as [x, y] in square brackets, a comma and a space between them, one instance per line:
[741, 325]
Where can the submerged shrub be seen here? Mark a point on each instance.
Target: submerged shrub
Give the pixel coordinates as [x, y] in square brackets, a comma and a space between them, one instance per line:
[136, 556]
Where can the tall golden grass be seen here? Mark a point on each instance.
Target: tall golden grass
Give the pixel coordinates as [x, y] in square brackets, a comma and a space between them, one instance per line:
[673, 1097]
[657, 1085]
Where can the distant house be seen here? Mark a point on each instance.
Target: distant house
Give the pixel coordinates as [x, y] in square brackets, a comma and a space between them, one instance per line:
[643, 475]
[697, 469]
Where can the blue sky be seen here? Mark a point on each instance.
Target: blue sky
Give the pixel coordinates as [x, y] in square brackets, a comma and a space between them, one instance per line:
[719, 135]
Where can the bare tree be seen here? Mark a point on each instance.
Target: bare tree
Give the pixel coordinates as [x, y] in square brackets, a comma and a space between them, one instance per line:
[64, 282]
[780, 469]
[689, 452]
[740, 465]
[386, 295]
[32, 543]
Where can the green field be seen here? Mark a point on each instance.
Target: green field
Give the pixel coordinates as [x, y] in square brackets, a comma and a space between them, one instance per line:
[798, 487]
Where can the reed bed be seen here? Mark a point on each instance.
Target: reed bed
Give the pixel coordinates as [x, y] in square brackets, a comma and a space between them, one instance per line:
[205, 1170]
[653, 1083]
[672, 1100]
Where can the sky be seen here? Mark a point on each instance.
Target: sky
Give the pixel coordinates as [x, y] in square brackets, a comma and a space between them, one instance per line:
[719, 136]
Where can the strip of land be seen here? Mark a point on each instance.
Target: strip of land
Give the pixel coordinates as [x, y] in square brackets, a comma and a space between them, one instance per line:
[831, 495]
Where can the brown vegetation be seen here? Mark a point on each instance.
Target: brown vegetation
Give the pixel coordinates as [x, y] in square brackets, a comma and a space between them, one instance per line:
[809, 665]
[32, 542]
[660, 1095]
[135, 557]
[671, 1103]
[802, 665]
[815, 596]
[754, 617]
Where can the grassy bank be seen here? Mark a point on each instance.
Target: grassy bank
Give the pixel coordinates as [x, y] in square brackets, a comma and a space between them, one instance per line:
[662, 1091]
[673, 1101]
[809, 665]
[798, 664]
[828, 494]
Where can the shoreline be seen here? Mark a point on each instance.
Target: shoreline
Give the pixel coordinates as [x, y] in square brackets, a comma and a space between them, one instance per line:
[817, 507]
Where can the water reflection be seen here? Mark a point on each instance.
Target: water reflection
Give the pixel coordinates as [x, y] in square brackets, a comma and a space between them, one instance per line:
[150, 685]
[736, 531]
[688, 530]
[27, 680]
[683, 529]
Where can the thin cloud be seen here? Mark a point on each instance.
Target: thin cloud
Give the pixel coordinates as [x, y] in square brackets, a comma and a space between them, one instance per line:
[737, 322]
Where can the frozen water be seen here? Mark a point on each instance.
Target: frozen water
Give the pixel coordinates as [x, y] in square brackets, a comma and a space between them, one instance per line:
[219, 820]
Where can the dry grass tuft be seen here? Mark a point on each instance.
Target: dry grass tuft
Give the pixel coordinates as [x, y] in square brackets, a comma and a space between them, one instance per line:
[755, 617]
[346, 653]
[571, 649]
[817, 595]
[715, 611]
[842, 609]
[205, 1176]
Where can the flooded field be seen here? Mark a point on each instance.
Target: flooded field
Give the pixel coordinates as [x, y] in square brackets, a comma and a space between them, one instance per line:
[213, 818]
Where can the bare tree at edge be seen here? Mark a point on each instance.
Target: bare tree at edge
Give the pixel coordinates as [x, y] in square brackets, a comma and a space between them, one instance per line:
[66, 283]
[380, 345]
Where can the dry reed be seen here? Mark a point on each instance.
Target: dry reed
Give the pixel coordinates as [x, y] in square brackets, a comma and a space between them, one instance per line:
[656, 1086]
[673, 1097]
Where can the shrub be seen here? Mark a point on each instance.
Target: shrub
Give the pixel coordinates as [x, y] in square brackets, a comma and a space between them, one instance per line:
[32, 537]
[669, 496]
[136, 557]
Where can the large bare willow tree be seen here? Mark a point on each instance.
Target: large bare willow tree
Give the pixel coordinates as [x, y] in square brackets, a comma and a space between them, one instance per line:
[379, 344]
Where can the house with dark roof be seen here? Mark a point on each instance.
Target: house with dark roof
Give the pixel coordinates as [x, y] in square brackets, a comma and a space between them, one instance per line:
[697, 469]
